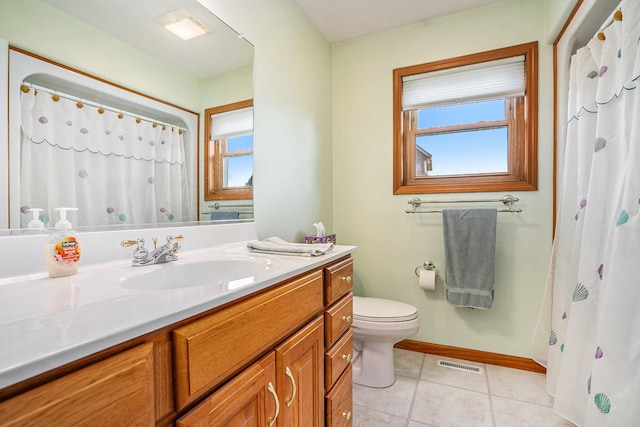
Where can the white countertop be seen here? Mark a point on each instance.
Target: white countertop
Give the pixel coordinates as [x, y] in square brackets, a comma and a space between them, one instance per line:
[46, 323]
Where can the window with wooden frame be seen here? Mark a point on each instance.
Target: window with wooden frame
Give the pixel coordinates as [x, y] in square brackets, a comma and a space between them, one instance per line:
[467, 124]
[229, 152]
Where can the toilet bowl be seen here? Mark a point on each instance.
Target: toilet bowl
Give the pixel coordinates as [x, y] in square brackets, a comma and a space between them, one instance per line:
[377, 325]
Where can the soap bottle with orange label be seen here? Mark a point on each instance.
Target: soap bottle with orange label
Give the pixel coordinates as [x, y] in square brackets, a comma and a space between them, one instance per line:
[62, 250]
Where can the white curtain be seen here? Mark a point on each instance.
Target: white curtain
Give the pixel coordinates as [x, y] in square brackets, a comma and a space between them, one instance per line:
[590, 321]
[115, 168]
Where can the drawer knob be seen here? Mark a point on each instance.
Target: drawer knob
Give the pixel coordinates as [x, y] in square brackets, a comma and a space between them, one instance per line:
[347, 357]
[346, 319]
[347, 279]
[347, 415]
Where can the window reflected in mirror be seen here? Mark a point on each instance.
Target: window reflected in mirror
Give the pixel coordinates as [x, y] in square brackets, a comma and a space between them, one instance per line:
[237, 161]
[229, 151]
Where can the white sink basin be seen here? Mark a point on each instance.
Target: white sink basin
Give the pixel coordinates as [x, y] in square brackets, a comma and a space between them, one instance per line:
[229, 272]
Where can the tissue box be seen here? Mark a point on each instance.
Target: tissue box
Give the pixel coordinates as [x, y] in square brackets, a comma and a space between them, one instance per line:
[327, 238]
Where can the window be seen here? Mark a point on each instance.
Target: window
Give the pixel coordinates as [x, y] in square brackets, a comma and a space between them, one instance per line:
[467, 124]
[229, 152]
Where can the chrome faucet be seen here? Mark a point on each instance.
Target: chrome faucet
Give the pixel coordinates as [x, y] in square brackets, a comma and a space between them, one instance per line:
[165, 253]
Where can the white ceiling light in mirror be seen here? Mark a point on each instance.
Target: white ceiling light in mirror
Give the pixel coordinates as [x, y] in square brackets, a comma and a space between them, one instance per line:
[184, 25]
[136, 23]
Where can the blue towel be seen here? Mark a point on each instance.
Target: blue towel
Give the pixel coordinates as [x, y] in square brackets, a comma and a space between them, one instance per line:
[470, 245]
[218, 215]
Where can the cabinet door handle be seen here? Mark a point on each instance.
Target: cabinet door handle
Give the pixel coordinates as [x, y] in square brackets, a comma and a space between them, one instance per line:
[347, 415]
[272, 390]
[347, 357]
[288, 373]
[346, 319]
[346, 279]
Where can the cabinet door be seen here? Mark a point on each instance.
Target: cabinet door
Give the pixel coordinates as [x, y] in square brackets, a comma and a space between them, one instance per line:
[249, 399]
[117, 391]
[300, 377]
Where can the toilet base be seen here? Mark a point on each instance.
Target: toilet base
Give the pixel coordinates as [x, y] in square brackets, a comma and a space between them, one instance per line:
[373, 366]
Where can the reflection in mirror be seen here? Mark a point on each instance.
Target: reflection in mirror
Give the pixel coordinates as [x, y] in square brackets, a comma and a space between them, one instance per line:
[118, 157]
[229, 160]
[217, 70]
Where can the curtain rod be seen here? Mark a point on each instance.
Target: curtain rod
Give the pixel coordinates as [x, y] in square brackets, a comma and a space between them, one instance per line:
[81, 102]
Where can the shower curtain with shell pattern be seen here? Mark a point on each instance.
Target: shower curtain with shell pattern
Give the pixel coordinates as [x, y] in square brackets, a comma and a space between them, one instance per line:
[590, 320]
[115, 168]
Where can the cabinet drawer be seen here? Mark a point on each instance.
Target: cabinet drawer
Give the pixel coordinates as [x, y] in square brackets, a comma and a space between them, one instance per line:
[117, 391]
[338, 280]
[337, 358]
[337, 319]
[339, 402]
[210, 350]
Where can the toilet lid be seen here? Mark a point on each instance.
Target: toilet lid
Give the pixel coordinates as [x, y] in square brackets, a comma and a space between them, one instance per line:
[382, 310]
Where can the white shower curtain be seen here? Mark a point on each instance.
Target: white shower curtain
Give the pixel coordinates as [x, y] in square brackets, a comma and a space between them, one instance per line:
[115, 168]
[590, 321]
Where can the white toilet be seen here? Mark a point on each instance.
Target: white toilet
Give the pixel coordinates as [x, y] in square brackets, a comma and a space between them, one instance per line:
[377, 325]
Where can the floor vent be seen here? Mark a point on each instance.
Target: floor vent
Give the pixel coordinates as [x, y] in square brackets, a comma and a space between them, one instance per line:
[460, 366]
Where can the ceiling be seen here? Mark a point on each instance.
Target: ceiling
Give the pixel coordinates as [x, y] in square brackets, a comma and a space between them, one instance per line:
[341, 20]
[221, 51]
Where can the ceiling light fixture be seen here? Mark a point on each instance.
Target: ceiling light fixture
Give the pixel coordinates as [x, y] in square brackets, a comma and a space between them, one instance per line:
[184, 25]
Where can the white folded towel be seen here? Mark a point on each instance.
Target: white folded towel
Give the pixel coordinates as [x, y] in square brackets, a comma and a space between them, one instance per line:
[277, 246]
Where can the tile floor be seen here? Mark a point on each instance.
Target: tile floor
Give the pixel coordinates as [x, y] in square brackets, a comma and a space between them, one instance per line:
[425, 394]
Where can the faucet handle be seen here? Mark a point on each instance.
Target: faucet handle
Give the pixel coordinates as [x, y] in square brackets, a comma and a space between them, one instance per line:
[140, 253]
[178, 238]
[127, 243]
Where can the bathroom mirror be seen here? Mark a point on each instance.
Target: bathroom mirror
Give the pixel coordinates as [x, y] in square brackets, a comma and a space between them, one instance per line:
[221, 54]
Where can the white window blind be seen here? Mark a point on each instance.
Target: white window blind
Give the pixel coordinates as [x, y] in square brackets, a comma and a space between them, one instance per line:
[503, 78]
[232, 123]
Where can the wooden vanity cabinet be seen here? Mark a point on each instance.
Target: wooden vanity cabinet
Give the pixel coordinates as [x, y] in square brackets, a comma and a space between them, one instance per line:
[338, 316]
[114, 392]
[259, 361]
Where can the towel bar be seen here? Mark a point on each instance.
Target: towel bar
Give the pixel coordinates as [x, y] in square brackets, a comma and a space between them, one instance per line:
[507, 200]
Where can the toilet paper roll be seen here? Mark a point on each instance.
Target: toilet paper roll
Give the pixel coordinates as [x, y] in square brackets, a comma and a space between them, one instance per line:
[427, 280]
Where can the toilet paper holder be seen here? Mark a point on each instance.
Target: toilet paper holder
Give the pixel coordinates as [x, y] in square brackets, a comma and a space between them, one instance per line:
[427, 265]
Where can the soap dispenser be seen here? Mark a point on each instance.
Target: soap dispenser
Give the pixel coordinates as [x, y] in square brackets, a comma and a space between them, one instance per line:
[35, 222]
[62, 250]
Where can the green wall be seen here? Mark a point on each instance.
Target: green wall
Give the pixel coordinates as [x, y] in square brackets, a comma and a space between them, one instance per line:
[391, 244]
